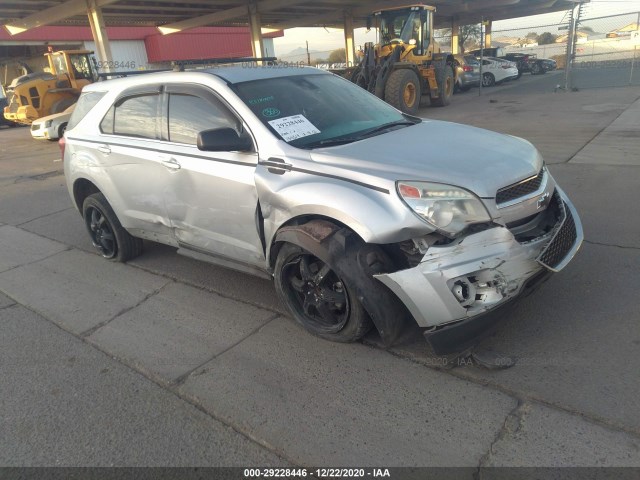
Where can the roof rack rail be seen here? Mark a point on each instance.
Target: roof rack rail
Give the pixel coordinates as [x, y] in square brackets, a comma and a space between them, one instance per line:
[106, 75]
[179, 65]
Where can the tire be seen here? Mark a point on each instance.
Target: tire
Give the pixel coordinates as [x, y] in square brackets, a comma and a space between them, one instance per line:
[445, 80]
[403, 91]
[61, 129]
[488, 80]
[317, 298]
[107, 234]
[536, 69]
[61, 105]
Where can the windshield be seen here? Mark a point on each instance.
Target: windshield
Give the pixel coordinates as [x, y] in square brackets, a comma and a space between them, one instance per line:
[81, 66]
[310, 110]
[59, 64]
[399, 25]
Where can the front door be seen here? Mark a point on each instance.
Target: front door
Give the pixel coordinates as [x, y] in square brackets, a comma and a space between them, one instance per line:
[212, 199]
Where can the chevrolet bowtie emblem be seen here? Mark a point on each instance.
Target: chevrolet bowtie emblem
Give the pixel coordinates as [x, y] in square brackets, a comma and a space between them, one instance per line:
[542, 200]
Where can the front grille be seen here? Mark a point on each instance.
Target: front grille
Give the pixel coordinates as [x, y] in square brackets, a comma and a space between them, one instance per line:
[562, 241]
[520, 189]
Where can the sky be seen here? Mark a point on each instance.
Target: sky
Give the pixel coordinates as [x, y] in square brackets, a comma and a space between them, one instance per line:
[326, 40]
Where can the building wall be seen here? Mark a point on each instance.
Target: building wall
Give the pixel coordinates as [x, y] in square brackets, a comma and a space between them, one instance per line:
[127, 55]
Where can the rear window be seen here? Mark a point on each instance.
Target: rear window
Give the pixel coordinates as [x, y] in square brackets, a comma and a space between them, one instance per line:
[86, 102]
[471, 60]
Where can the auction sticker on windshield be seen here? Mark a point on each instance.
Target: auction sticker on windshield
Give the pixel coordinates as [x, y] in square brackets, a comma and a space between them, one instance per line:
[293, 127]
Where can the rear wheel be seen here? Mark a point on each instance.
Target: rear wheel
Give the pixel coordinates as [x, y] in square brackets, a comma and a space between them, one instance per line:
[317, 297]
[107, 233]
[536, 69]
[488, 80]
[403, 91]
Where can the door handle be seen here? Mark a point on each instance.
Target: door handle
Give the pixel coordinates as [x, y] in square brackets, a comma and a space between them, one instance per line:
[277, 165]
[171, 164]
[104, 149]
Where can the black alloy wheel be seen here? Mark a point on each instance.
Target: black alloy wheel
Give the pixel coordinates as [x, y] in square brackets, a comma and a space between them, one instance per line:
[101, 232]
[316, 293]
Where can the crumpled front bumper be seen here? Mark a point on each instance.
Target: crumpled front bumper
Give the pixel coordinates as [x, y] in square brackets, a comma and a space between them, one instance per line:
[482, 271]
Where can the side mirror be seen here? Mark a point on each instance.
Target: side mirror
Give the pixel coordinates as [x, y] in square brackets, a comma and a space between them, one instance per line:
[223, 140]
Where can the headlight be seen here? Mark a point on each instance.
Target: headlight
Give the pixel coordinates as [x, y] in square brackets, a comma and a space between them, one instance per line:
[48, 123]
[448, 208]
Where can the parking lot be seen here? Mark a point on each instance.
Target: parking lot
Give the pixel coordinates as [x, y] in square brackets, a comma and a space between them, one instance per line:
[166, 361]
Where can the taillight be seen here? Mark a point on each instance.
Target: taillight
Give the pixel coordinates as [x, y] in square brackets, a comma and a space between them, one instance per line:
[467, 68]
[62, 143]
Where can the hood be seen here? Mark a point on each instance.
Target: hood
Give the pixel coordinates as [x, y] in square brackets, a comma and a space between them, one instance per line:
[478, 160]
[62, 116]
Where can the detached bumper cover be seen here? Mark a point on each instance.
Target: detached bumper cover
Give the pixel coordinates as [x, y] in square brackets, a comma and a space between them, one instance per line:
[466, 279]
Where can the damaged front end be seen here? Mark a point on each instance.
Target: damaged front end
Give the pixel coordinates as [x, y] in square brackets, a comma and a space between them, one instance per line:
[455, 286]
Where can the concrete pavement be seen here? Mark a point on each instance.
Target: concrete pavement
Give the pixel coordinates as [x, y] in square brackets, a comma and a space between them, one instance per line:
[168, 361]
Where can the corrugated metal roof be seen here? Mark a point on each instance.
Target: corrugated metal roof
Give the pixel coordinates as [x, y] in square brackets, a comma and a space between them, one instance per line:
[78, 33]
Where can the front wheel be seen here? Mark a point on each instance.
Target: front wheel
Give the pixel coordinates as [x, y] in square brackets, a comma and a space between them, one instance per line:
[107, 234]
[318, 299]
[61, 130]
[536, 69]
[403, 91]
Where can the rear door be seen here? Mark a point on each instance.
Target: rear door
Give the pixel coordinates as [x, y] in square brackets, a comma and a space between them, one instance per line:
[129, 147]
[212, 200]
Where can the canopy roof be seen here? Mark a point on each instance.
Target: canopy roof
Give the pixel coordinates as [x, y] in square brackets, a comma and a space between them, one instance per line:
[172, 15]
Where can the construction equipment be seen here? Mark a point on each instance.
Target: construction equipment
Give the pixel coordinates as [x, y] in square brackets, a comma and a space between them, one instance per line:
[406, 62]
[40, 94]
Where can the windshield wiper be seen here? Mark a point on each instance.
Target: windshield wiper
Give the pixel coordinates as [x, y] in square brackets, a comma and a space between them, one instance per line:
[330, 142]
[382, 128]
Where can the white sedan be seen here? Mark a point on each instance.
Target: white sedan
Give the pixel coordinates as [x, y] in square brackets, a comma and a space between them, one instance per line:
[497, 70]
[53, 126]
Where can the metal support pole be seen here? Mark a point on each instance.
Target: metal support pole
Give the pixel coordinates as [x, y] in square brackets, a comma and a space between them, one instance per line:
[481, 55]
[635, 49]
[455, 37]
[568, 59]
[350, 53]
[487, 33]
[99, 32]
[633, 63]
[256, 31]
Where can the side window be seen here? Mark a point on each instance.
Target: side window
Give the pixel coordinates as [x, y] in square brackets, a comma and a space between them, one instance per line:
[136, 116]
[106, 125]
[189, 115]
[85, 103]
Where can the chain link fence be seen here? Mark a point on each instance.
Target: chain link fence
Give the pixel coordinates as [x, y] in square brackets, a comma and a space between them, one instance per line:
[604, 52]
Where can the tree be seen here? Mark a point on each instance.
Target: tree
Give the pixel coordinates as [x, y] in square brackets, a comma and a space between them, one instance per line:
[532, 36]
[338, 56]
[546, 38]
[468, 34]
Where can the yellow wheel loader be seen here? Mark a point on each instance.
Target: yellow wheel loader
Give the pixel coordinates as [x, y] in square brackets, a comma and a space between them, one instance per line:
[40, 94]
[406, 62]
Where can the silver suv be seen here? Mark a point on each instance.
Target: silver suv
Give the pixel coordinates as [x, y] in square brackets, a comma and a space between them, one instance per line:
[362, 215]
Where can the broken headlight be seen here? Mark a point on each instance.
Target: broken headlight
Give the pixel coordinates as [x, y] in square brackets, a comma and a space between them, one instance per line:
[450, 209]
